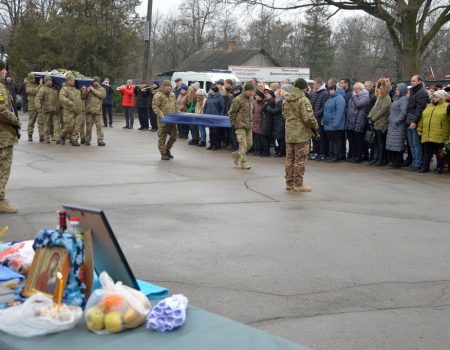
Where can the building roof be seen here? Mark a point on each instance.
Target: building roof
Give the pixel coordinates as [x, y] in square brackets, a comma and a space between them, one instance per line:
[207, 59]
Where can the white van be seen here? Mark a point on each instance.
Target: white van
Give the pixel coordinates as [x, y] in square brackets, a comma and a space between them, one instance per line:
[206, 79]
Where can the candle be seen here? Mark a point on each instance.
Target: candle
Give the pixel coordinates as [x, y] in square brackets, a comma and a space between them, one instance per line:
[3, 231]
[59, 289]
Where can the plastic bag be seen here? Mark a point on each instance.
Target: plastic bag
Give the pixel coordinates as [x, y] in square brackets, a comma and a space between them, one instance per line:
[38, 316]
[18, 256]
[168, 314]
[115, 307]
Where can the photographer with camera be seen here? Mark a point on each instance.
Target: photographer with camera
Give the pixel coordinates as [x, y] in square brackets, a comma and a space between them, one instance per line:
[9, 135]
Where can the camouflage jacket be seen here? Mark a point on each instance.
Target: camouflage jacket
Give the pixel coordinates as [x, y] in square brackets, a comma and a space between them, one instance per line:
[164, 104]
[8, 119]
[31, 89]
[94, 100]
[300, 121]
[70, 99]
[47, 99]
[240, 112]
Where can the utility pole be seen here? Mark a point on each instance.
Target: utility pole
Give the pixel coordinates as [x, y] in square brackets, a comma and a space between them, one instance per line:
[147, 35]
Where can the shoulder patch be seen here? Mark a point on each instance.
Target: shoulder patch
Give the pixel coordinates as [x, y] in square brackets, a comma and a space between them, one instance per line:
[2, 98]
[308, 107]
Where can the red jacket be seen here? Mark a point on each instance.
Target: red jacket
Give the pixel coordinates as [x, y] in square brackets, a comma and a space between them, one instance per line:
[127, 93]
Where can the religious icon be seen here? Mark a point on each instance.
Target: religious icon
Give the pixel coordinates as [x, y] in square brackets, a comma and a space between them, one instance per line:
[42, 276]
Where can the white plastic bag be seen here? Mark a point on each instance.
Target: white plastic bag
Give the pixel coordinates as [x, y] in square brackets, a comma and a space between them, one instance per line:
[38, 316]
[115, 307]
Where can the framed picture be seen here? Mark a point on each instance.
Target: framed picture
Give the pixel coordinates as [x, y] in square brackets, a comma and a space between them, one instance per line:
[42, 275]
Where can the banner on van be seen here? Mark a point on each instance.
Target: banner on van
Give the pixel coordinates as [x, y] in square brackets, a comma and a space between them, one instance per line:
[269, 74]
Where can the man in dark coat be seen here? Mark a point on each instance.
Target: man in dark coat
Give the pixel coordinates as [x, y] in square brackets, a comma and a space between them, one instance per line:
[319, 97]
[107, 103]
[416, 104]
[144, 95]
[12, 87]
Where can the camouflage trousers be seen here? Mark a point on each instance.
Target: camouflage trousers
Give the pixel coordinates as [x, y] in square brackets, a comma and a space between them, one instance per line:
[92, 119]
[83, 126]
[71, 125]
[51, 123]
[164, 130]
[6, 155]
[245, 141]
[34, 116]
[296, 156]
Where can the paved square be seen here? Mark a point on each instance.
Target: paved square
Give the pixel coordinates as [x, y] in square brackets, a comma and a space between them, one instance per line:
[362, 262]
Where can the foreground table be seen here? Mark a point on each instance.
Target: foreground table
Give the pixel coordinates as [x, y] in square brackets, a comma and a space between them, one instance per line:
[202, 330]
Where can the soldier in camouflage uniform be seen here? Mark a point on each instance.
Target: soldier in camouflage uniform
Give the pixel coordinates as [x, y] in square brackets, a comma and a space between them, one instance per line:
[240, 114]
[47, 103]
[32, 88]
[301, 126]
[164, 102]
[94, 99]
[70, 99]
[9, 127]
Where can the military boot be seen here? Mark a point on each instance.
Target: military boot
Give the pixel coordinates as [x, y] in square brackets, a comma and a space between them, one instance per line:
[165, 157]
[169, 154]
[302, 188]
[235, 156]
[289, 186]
[245, 165]
[30, 137]
[101, 143]
[6, 208]
[75, 143]
[83, 141]
[41, 138]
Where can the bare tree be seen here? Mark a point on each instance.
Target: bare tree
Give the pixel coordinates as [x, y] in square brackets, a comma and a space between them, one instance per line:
[11, 11]
[411, 24]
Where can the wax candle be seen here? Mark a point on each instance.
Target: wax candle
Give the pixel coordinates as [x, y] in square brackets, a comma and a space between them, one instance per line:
[59, 288]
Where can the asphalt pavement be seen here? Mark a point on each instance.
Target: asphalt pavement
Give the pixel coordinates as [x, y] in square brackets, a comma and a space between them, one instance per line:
[362, 262]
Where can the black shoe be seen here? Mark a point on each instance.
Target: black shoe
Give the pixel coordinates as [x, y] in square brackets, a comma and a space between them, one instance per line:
[193, 142]
[372, 162]
[101, 143]
[438, 170]
[169, 155]
[104, 125]
[165, 157]
[30, 138]
[110, 125]
[141, 128]
[265, 154]
[83, 141]
[126, 127]
[88, 143]
[41, 139]
[321, 158]
[202, 144]
[332, 159]
[424, 170]
[75, 143]
[130, 127]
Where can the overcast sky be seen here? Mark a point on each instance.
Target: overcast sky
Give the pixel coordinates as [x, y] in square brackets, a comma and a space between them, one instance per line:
[163, 6]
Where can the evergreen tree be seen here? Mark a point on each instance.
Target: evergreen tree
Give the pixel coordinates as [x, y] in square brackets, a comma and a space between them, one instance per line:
[317, 49]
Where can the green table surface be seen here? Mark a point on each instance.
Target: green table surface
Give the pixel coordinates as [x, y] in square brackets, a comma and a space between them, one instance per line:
[202, 330]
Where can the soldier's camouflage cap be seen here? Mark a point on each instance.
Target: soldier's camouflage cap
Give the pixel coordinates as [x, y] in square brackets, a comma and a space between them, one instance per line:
[30, 76]
[70, 77]
[97, 79]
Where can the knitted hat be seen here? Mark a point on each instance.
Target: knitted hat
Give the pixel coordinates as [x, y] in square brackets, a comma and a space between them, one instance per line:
[97, 79]
[2, 65]
[196, 85]
[70, 77]
[441, 94]
[286, 87]
[248, 87]
[260, 94]
[301, 83]
[47, 78]
[166, 83]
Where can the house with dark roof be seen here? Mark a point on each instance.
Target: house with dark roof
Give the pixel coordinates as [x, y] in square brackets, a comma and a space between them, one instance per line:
[207, 59]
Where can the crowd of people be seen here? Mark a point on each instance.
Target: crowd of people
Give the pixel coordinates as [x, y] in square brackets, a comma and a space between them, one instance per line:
[331, 121]
[381, 123]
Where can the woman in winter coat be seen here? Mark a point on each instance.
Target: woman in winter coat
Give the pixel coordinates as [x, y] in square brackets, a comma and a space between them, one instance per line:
[199, 105]
[256, 122]
[269, 112]
[215, 104]
[357, 112]
[396, 134]
[379, 118]
[127, 92]
[278, 124]
[434, 126]
[333, 121]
